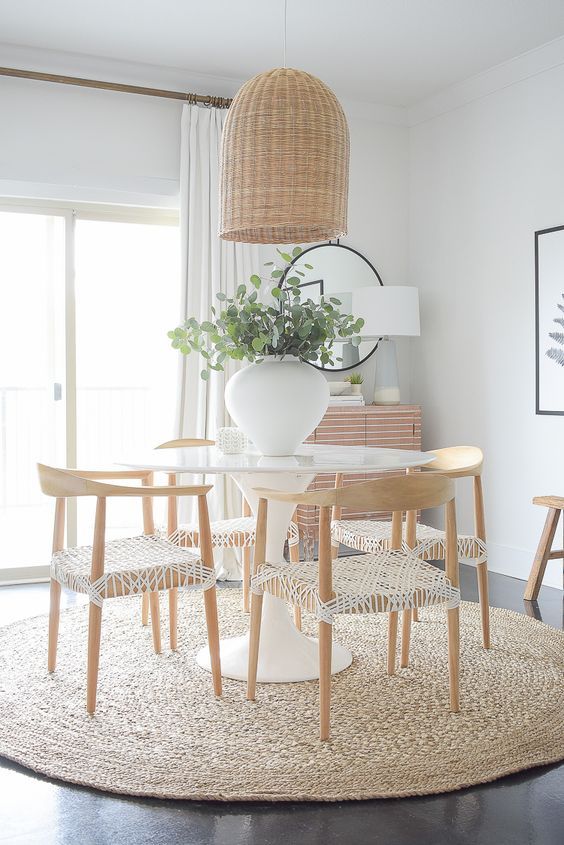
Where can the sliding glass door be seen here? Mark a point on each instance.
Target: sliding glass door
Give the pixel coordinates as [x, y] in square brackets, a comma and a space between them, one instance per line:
[86, 372]
[32, 356]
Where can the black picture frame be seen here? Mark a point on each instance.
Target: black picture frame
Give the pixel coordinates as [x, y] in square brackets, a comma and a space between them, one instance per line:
[335, 244]
[538, 410]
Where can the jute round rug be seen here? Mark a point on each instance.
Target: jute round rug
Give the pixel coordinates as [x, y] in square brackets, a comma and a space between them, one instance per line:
[159, 731]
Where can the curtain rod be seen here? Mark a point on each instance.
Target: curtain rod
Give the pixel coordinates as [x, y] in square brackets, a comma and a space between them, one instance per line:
[205, 99]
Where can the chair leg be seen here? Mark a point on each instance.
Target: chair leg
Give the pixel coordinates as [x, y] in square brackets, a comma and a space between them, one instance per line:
[415, 614]
[392, 640]
[155, 620]
[210, 604]
[542, 555]
[405, 637]
[453, 625]
[145, 609]
[54, 613]
[173, 618]
[325, 650]
[94, 632]
[246, 579]
[482, 572]
[295, 558]
[254, 642]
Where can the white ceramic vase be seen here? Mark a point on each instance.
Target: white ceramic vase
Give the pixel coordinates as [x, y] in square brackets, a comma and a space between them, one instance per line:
[277, 402]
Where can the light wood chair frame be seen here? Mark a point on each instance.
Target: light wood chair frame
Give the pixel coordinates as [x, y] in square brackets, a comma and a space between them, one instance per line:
[63, 484]
[545, 552]
[399, 495]
[453, 462]
[172, 527]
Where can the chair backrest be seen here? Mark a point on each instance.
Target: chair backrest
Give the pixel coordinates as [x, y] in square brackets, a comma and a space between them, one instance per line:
[68, 483]
[456, 461]
[186, 441]
[400, 493]
[397, 494]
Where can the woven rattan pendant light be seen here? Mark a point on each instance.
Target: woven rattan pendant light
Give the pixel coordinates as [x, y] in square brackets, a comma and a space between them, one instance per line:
[284, 161]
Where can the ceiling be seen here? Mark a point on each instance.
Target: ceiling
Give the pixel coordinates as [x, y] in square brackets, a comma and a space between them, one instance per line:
[394, 52]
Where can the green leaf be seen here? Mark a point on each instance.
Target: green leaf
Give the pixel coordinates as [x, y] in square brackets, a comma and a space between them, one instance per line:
[276, 292]
[297, 251]
[268, 263]
[207, 326]
[355, 341]
[308, 266]
[205, 374]
[293, 280]
[287, 258]
[170, 334]
[222, 297]
[258, 344]
[255, 280]
[276, 274]
[304, 330]
[335, 301]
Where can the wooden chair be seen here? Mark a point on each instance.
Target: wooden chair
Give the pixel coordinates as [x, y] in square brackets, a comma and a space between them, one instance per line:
[383, 582]
[237, 533]
[555, 505]
[145, 564]
[427, 542]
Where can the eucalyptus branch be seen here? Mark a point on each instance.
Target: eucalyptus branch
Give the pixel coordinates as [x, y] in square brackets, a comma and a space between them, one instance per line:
[243, 327]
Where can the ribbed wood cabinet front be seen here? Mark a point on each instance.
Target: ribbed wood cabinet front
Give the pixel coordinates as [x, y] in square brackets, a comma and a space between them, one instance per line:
[387, 426]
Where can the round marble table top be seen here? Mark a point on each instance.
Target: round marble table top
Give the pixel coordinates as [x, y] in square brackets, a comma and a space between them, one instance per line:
[309, 458]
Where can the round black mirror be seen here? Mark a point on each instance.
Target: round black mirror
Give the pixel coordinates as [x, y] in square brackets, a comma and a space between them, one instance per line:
[338, 270]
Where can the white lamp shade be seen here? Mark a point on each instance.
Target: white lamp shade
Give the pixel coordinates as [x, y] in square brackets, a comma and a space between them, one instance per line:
[387, 310]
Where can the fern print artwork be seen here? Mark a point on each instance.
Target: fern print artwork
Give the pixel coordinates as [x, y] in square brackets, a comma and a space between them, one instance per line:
[549, 320]
[556, 353]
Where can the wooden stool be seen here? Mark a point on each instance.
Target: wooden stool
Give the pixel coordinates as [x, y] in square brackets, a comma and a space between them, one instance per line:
[555, 505]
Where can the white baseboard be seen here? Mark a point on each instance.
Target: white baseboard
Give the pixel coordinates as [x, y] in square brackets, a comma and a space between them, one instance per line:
[517, 563]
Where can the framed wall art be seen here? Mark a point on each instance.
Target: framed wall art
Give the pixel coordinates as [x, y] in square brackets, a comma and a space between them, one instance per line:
[549, 308]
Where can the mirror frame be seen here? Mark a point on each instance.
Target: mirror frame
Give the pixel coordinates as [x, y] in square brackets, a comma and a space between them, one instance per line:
[306, 284]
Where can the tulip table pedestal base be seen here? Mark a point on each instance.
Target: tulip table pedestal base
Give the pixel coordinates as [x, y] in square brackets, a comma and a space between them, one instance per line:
[285, 653]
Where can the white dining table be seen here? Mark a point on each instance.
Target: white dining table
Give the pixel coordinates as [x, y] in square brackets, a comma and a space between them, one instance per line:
[285, 654]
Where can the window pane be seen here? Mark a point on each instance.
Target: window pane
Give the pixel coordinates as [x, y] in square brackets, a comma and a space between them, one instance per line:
[31, 362]
[127, 298]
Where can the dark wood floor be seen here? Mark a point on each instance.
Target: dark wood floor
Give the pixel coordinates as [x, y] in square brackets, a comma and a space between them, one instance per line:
[524, 809]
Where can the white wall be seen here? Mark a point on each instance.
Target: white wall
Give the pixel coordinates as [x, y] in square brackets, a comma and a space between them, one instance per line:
[483, 178]
[378, 214]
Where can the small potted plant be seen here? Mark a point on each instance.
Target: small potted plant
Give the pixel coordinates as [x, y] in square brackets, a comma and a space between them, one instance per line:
[355, 380]
[278, 400]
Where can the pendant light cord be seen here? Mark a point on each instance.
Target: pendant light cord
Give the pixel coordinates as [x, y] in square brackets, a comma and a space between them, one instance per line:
[285, 19]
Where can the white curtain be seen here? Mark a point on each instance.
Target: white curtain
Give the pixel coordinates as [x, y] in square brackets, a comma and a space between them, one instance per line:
[208, 265]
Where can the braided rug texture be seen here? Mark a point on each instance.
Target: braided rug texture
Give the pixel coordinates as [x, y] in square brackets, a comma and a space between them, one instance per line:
[159, 731]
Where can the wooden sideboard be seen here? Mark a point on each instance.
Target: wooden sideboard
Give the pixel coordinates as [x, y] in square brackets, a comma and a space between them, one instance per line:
[388, 426]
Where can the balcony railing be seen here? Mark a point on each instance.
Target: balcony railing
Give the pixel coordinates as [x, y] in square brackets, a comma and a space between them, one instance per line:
[111, 421]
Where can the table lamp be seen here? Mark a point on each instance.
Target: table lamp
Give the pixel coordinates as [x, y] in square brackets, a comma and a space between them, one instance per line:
[387, 310]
